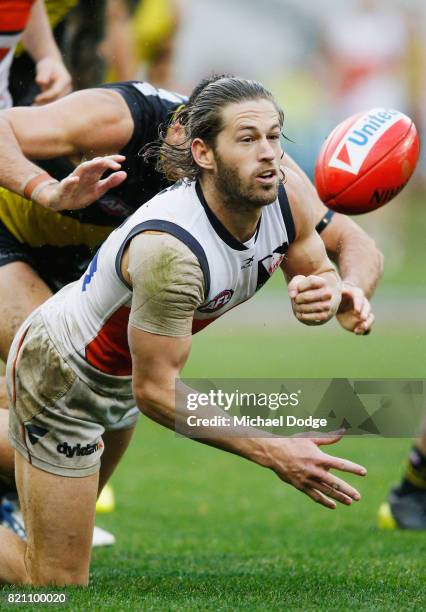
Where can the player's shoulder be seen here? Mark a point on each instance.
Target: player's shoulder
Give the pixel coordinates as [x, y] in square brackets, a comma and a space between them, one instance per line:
[159, 244]
[164, 255]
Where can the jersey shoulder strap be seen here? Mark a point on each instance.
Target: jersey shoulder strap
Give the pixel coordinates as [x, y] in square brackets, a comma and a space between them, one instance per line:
[286, 213]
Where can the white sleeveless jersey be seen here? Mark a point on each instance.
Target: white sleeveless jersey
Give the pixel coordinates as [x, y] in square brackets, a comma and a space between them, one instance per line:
[88, 319]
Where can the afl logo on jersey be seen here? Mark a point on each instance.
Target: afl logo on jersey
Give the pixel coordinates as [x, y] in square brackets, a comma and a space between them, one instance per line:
[220, 300]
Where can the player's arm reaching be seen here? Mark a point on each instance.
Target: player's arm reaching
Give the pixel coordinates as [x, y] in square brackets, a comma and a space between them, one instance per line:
[92, 123]
[165, 294]
[355, 253]
[51, 76]
[313, 284]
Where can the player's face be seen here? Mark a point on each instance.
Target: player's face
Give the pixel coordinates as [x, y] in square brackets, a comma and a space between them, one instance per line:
[248, 153]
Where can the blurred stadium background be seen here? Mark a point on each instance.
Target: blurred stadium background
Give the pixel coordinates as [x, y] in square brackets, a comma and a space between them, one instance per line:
[198, 529]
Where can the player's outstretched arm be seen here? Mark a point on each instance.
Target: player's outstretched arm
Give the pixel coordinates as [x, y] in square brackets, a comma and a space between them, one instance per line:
[167, 286]
[94, 122]
[313, 284]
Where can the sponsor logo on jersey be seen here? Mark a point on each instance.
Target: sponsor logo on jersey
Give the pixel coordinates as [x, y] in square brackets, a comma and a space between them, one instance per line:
[78, 451]
[219, 301]
[361, 138]
[35, 433]
[247, 263]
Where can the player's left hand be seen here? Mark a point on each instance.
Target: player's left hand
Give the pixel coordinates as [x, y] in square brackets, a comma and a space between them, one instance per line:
[354, 313]
[314, 300]
[53, 79]
[84, 185]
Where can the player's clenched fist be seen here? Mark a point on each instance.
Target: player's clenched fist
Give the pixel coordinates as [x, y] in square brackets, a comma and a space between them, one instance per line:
[313, 299]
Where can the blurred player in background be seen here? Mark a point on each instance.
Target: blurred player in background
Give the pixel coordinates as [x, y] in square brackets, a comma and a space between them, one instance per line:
[78, 28]
[141, 35]
[406, 505]
[22, 84]
[83, 34]
[367, 58]
[123, 332]
[43, 245]
[26, 20]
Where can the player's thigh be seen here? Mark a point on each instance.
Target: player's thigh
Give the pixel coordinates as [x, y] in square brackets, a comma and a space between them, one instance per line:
[59, 515]
[115, 443]
[21, 291]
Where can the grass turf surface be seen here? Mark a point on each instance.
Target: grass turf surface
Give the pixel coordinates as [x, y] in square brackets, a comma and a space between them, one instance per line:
[200, 529]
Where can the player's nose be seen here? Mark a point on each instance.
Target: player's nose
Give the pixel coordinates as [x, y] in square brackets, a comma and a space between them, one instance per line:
[266, 151]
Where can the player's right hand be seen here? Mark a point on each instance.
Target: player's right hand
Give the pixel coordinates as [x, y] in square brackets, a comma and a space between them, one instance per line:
[314, 301]
[84, 185]
[299, 462]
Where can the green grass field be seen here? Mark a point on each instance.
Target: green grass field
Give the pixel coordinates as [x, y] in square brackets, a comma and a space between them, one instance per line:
[198, 529]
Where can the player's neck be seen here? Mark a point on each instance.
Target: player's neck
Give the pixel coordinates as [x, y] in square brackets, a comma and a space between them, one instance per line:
[240, 219]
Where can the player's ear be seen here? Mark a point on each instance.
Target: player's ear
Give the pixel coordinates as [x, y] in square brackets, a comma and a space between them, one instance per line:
[203, 154]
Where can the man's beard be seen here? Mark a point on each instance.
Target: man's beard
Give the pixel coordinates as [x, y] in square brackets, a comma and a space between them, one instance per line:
[235, 194]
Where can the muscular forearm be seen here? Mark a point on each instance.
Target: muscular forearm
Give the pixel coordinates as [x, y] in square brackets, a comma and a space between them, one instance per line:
[169, 408]
[359, 260]
[360, 263]
[297, 461]
[15, 168]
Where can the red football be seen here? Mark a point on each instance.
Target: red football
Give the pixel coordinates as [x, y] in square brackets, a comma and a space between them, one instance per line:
[366, 161]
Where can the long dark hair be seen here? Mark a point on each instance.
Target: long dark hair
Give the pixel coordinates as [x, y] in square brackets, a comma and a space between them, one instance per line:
[202, 118]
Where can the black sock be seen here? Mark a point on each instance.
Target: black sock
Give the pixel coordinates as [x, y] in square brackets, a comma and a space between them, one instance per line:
[415, 473]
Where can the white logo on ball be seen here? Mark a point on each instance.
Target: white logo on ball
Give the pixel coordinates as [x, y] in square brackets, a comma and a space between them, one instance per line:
[361, 138]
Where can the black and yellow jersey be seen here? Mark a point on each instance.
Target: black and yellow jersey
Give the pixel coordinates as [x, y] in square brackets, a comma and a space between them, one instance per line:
[35, 226]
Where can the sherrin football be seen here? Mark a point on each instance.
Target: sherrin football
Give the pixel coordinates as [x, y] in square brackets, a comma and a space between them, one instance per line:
[366, 161]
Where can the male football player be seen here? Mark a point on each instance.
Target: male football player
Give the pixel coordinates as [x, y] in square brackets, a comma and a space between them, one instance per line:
[26, 20]
[122, 333]
[46, 242]
[41, 250]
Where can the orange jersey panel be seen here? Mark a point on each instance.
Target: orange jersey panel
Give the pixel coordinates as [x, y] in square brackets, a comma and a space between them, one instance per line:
[14, 15]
